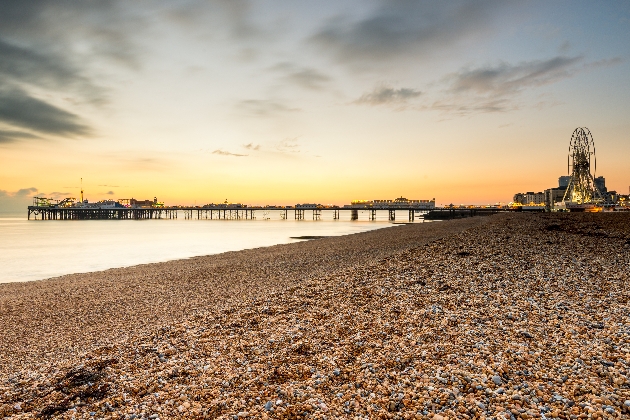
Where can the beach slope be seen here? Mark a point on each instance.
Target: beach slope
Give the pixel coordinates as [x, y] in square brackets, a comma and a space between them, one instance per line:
[512, 316]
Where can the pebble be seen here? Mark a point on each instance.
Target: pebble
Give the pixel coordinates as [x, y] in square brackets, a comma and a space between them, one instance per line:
[366, 340]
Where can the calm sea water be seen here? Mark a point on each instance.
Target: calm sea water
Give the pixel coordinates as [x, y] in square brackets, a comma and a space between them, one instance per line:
[36, 249]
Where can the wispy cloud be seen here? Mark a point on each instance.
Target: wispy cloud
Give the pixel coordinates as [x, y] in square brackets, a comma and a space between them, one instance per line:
[498, 88]
[507, 78]
[58, 194]
[16, 201]
[142, 163]
[305, 77]
[10, 136]
[105, 28]
[403, 28]
[19, 108]
[264, 108]
[288, 145]
[30, 66]
[24, 192]
[110, 193]
[473, 105]
[45, 48]
[609, 62]
[26, 66]
[252, 146]
[384, 94]
[224, 153]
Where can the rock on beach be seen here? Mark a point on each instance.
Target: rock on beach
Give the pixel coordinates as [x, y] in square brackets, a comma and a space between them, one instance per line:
[513, 316]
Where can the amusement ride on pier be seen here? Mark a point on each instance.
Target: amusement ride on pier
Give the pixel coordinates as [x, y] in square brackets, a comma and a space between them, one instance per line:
[582, 192]
[69, 209]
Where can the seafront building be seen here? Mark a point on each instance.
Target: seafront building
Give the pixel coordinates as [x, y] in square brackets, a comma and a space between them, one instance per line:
[529, 198]
[552, 198]
[398, 202]
[579, 191]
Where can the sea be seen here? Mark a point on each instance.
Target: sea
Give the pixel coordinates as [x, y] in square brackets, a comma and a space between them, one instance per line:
[40, 249]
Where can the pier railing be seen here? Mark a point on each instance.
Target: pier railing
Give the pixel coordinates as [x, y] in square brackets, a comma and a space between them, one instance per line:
[248, 213]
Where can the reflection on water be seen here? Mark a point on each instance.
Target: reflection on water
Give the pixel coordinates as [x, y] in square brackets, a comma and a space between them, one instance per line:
[32, 250]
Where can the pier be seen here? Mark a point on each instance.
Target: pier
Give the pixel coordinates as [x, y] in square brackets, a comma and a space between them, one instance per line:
[249, 213]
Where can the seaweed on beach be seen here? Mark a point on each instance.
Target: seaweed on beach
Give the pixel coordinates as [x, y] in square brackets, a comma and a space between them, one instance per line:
[82, 383]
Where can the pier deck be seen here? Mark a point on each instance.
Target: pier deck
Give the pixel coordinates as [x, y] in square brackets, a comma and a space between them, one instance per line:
[245, 213]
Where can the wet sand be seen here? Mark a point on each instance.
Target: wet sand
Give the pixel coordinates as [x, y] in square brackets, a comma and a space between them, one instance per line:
[515, 315]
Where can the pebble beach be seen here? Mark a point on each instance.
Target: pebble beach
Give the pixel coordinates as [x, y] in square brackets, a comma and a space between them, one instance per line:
[512, 316]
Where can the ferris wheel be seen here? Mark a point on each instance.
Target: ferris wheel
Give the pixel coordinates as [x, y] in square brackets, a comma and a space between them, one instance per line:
[581, 160]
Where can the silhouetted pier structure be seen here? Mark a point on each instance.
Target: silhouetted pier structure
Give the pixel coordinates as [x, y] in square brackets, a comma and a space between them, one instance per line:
[247, 213]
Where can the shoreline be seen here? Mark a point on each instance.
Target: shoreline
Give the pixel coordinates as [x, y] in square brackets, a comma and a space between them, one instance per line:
[118, 246]
[512, 315]
[298, 239]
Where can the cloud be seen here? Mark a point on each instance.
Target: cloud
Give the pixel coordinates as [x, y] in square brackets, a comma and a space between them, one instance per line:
[497, 88]
[604, 63]
[140, 163]
[288, 145]
[58, 195]
[19, 108]
[387, 95]
[304, 77]
[239, 13]
[471, 106]
[224, 153]
[10, 136]
[506, 78]
[25, 192]
[30, 66]
[104, 28]
[110, 193]
[237, 22]
[252, 146]
[263, 108]
[111, 186]
[16, 201]
[406, 28]
[48, 47]
[309, 78]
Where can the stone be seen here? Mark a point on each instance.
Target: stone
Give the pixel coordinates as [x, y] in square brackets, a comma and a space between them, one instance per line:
[368, 338]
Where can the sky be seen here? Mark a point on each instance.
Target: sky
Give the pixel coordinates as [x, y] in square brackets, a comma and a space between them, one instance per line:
[284, 102]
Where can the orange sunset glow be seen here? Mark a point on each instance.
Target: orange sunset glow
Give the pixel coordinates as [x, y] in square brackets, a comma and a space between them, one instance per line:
[274, 103]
